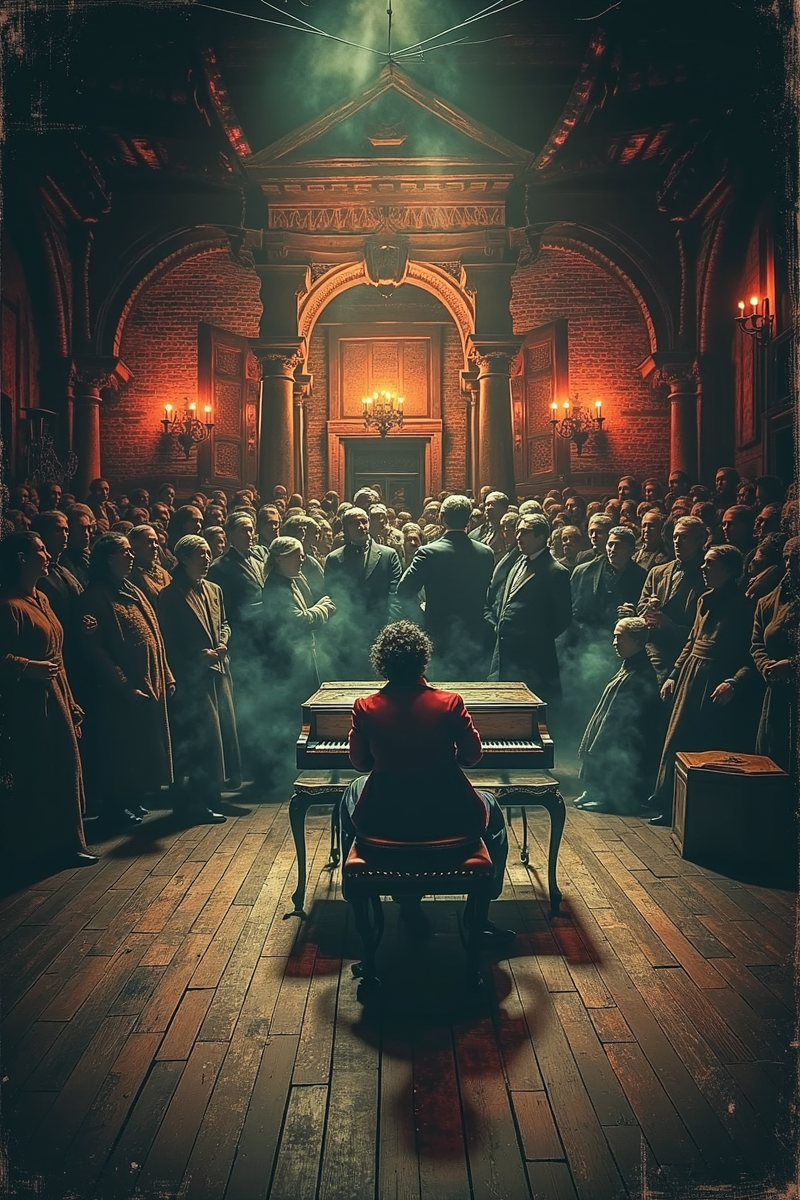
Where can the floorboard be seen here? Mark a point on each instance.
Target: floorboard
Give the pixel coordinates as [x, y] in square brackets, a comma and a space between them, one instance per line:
[168, 1033]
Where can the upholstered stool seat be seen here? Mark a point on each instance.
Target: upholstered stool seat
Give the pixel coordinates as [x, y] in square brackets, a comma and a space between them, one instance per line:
[377, 867]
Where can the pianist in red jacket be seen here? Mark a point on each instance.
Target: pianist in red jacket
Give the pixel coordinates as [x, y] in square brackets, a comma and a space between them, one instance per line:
[414, 739]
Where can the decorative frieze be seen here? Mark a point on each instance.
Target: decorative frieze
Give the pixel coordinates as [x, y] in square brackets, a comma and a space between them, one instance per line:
[358, 218]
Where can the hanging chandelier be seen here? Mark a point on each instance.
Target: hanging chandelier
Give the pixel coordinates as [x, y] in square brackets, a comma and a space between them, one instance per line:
[383, 411]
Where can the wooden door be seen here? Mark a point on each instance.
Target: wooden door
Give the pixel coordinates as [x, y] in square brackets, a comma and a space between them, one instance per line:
[227, 381]
[540, 377]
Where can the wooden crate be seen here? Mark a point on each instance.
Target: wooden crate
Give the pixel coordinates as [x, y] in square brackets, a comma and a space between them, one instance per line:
[731, 808]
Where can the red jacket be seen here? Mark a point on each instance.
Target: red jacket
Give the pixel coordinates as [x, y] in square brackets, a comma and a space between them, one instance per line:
[411, 738]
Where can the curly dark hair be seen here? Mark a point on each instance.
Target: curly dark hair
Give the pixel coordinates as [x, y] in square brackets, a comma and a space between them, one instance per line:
[401, 652]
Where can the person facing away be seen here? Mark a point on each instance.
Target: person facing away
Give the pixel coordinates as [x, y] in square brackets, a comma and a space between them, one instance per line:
[414, 739]
[619, 748]
[455, 572]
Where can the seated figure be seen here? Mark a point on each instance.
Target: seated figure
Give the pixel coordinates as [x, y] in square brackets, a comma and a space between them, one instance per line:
[413, 739]
[619, 748]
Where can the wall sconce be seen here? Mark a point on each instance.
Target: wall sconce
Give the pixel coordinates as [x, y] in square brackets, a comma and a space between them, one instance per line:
[384, 410]
[186, 428]
[758, 322]
[577, 426]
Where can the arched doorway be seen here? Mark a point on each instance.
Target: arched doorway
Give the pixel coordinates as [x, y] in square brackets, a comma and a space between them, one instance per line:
[407, 343]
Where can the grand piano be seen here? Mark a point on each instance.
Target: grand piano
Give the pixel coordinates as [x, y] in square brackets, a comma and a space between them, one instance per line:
[509, 718]
[517, 756]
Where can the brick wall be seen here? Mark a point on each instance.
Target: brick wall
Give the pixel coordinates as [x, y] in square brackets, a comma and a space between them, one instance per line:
[454, 413]
[317, 414]
[159, 344]
[607, 342]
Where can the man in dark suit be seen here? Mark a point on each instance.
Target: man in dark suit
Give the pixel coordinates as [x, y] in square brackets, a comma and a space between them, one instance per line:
[529, 611]
[241, 572]
[603, 590]
[455, 572]
[489, 533]
[361, 577]
[601, 587]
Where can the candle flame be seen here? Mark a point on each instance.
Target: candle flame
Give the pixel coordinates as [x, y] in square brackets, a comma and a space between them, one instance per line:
[754, 301]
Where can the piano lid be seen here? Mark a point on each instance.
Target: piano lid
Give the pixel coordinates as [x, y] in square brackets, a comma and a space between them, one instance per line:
[475, 695]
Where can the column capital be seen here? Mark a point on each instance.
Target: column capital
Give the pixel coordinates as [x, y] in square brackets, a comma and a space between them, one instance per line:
[94, 372]
[678, 369]
[281, 358]
[493, 356]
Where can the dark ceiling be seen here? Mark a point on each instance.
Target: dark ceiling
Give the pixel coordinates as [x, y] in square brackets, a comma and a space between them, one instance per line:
[643, 82]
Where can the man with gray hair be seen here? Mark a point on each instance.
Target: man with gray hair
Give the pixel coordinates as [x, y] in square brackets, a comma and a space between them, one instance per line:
[489, 533]
[620, 746]
[455, 572]
[529, 611]
[361, 577]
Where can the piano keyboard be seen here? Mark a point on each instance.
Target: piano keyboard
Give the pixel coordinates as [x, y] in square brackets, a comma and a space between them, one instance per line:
[490, 746]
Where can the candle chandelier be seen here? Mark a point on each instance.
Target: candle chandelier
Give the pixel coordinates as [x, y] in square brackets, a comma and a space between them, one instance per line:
[383, 411]
[186, 429]
[758, 322]
[577, 425]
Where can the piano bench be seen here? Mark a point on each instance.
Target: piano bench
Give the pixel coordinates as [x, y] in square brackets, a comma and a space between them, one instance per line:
[378, 868]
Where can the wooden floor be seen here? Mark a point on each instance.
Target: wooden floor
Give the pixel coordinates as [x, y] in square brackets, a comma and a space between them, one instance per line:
[167, 1034]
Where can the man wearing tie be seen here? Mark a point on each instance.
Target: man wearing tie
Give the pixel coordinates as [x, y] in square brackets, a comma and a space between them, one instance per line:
[495, 508]
[530, 612]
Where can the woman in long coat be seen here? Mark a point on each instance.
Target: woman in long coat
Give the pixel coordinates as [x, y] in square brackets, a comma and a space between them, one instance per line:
[191, 612]
[129, 751]
[713, 681]
[289, 650]
[775, 653]
[42, 781]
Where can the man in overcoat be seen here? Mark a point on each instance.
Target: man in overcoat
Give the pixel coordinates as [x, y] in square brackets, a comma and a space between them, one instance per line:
[455, 572]
[530, 611]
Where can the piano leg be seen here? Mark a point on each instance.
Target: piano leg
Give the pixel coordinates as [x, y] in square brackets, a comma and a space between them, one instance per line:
[524, 857]
[298, 807]
[558, 814]
[335, 852]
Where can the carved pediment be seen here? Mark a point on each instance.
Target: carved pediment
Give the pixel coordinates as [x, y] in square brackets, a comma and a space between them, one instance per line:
[395, 118]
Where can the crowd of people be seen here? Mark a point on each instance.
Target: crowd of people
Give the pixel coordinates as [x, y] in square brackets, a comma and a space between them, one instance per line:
[147, 643]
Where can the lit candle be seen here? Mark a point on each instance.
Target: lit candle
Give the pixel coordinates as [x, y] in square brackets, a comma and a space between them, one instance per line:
[192, 408]
[400, 403]
[741, 306]
[566, 406]
[754, 302]
[598, 405]
[168, 411]
[554, 408]
[208, 410]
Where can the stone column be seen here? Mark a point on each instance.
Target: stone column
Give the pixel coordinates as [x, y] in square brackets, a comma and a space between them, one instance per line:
[469, 390]
[495, 438]
[680, 373]
[93, 374]
[276, 449]
[302, 390]
[682, 398]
